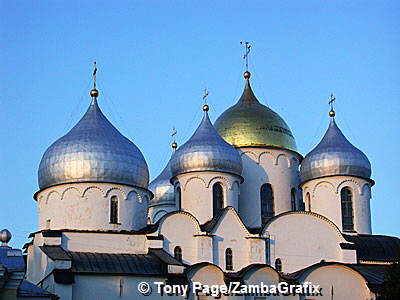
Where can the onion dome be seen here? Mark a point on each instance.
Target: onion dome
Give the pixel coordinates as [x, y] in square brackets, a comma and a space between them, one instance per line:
[335, 155]
[93, 151]
[206, 151]
[250, 123]
[161, 187]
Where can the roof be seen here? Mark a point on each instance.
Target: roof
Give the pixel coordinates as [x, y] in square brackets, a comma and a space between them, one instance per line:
[153, 263]
[249, 123]
[374, 274]
[93, 151]
[12, 259]
[335, 155]
[28, 289]
[374, 247]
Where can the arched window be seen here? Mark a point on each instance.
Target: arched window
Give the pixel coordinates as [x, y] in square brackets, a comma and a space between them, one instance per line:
[346, 198]
[278, 265]
[178, 253]
[267, 202]
[228, 259]
[114, 210]
[293, 199]
[218, 198]
[178, 198]
[308, 200]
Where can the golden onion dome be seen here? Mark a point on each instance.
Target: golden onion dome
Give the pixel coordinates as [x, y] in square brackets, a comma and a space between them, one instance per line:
[250, 123]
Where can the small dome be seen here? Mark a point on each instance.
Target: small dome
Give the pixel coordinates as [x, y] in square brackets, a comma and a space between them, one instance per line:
[161, 187]
[335, 155]
[206, 151]
[93, 151]
[250, 123]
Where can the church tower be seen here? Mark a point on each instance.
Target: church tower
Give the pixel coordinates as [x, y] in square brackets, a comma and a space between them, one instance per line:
[93, 178]
[206, 173]
[336, 181]
[269, 155]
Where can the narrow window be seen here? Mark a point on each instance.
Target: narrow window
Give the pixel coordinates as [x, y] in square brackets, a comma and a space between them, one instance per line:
[267, 202]
[347, 209]
[178, 197]
[228, 259]
[218, 198]
[114, 210]
[293, 199]
[308, 200]
[278, 265]
[178, 253]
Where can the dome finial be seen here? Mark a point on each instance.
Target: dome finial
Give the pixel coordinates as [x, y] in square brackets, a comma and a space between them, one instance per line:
[247, 47]
[5, 237]
[94, 93]
[174, 143]
[205, 106]
[332, 99]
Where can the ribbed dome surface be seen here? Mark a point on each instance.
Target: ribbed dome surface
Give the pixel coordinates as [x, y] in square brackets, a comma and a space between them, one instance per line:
[161, 187]
[206, 151]
[250, 123]
[93, 151]
[335, 155]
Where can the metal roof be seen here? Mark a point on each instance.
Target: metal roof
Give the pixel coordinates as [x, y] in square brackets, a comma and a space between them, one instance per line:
[374, 247]
[93, 151]
[153, 263]
[335, 155]
[206, 150]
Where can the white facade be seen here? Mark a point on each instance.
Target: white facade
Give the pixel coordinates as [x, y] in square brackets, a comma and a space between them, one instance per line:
[100, 240]
[278, 167]
[196, 190]
[86, 206]
[323, 196]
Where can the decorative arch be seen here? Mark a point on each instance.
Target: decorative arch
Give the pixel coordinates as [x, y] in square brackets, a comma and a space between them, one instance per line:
[193, 178]
[272, 155]
[342, 183]
[321, 217]
[116, 189]
[139, 197]
[158, 215]
[68, 189]
[49, 194]
[252, 154]
[322, 182]
[189, 215]
[220, 179]
[93, 187]
[285, 156]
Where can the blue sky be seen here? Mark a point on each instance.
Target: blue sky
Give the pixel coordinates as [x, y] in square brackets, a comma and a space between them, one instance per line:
[156, 57]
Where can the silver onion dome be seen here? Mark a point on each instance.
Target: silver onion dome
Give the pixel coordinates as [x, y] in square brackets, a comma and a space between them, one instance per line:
[161, 187]
[335, 155]
[93, 151]
[206, 150]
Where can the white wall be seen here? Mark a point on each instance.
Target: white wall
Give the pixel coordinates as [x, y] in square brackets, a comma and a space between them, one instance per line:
[197, 191]
[325, 200]
[278, 167]
[345, 282]
[86, 206]
[301, 239]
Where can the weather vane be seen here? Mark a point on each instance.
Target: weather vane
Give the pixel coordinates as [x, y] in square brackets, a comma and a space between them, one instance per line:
[173, 134]
[332, 99]
[205, 95]
[247, 47]
[94, 74]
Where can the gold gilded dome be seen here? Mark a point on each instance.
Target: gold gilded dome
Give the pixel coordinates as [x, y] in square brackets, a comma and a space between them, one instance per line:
[249, 123]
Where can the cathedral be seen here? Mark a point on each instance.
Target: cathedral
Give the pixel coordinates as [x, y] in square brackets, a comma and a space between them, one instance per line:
[237, 213]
